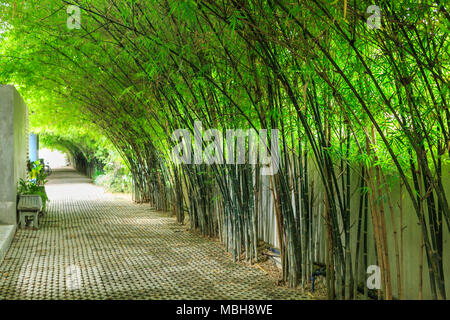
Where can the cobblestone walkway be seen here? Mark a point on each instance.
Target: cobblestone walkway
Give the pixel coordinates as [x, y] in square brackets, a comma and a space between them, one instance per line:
[94, 245]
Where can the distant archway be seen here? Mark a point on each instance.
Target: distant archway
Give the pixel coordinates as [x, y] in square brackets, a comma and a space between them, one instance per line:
[79, 157]
[54, 158]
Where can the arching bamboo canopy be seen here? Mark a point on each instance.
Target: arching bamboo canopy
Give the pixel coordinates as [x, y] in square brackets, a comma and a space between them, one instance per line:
[361, 105]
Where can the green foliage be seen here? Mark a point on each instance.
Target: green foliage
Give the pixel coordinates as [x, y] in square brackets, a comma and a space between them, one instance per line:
[38, 174]
[115, 179]
[138, 70]
[38, 178]
[115, 176]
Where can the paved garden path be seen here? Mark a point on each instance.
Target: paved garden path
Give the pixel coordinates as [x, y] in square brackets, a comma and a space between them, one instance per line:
[94, 245]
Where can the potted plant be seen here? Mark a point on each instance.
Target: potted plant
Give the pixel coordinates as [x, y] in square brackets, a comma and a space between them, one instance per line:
[35, 185]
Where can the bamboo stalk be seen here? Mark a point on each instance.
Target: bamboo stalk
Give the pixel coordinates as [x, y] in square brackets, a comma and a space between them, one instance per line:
[394, 228]
[401, 242]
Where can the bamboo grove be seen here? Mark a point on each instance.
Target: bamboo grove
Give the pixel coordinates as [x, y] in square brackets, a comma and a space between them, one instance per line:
[359, 110]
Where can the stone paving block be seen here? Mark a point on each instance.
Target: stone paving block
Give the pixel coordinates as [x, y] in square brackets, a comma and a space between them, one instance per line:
[93, 245]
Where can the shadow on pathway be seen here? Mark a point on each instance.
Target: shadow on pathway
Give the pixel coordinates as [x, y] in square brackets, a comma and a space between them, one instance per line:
[94, 245]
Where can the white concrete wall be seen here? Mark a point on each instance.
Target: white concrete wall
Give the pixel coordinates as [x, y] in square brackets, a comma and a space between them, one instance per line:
[13, 150]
